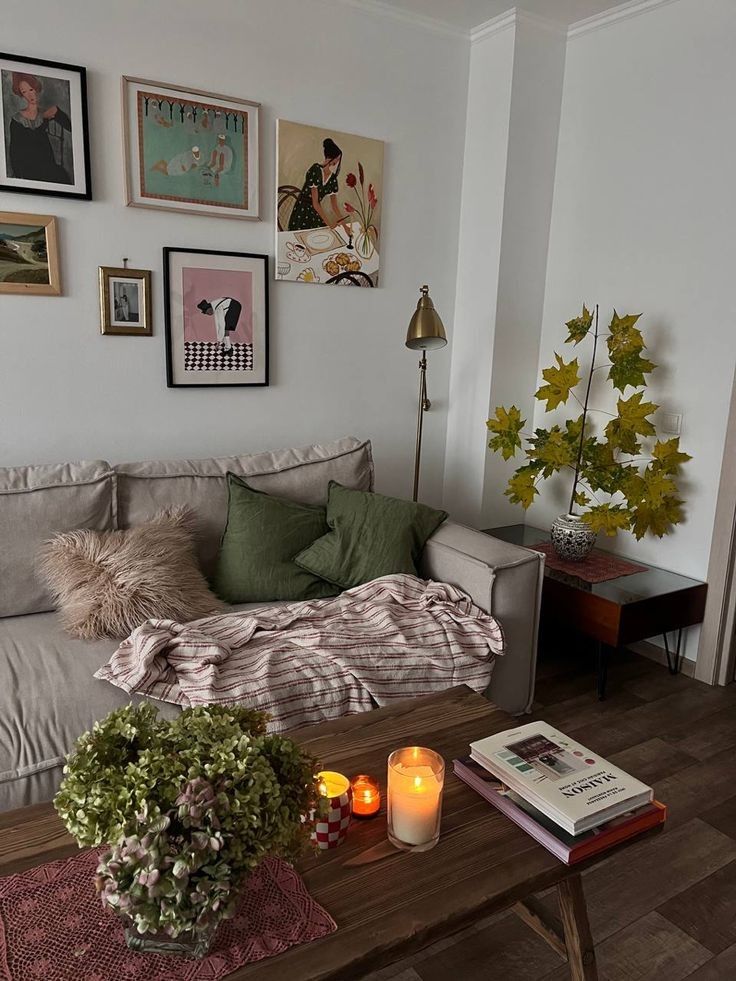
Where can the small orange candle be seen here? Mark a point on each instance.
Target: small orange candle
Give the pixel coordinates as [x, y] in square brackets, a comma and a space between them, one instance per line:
[366, 796]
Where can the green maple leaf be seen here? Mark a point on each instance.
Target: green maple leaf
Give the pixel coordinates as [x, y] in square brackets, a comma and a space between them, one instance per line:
[629, 369]
[658, 519]
[667, 455]
[633, 488]
[579, 327]
[631, 421]
[506, 428]
[600, 469]
[624, 338]
[657, 487]
[550, 450]
[521, 489]
[608, 518]
[560, 382]
[581, 499]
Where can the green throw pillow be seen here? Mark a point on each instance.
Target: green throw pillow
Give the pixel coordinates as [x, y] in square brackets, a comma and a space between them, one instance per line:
[261, 538]
[371, 535]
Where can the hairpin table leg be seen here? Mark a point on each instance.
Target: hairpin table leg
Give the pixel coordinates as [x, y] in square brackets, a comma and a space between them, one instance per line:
[674, 658]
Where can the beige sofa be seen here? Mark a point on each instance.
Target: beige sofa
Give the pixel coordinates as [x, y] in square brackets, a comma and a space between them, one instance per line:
[47, 693]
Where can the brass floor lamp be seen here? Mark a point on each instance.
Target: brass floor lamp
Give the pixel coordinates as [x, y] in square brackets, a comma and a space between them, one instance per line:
[426, 333]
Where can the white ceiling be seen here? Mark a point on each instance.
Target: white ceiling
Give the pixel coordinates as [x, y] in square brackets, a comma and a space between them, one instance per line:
[467, 14]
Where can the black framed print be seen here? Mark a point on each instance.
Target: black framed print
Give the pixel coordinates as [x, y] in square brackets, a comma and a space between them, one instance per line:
[44, 134]
[216, 318]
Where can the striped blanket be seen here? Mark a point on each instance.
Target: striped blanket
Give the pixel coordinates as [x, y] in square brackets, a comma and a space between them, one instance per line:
[304, 662]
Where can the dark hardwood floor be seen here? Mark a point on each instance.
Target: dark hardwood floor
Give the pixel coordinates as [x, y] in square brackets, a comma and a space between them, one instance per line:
[662, 910]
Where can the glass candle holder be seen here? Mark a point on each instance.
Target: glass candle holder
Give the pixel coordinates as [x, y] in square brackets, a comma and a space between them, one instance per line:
[332, 818]
[416, 778]
[366, 796]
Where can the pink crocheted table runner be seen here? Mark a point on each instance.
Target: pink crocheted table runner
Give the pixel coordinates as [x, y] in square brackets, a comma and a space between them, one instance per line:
[597, 567]
[54, 928]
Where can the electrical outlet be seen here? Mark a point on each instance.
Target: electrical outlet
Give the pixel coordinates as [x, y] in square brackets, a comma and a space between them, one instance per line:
[669, 422]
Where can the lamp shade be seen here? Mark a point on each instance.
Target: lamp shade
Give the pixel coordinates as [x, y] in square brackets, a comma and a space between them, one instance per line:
[426, 330]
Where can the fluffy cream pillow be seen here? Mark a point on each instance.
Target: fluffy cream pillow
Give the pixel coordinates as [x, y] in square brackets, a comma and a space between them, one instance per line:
[106, 583]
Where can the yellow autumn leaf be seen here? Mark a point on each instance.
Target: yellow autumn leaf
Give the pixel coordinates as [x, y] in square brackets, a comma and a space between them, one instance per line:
[560, 382]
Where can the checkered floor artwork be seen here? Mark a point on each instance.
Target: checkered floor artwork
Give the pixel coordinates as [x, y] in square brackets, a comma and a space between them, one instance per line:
[209, 356]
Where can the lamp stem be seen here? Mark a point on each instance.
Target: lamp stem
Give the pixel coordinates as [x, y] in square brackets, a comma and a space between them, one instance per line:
[424, 405]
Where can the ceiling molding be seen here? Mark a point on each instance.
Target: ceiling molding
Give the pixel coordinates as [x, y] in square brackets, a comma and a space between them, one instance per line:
[382, 9]
[493, 26]
[632, 8]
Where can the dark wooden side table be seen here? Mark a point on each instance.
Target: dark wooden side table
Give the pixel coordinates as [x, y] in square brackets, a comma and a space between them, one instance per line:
[619, 611]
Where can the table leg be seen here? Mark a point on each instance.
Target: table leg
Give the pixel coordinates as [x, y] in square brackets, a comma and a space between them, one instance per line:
[602, 665]
[578, 939]
[674, 658]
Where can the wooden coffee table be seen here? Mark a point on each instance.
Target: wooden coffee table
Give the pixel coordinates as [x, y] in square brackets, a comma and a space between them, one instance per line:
[401, 902]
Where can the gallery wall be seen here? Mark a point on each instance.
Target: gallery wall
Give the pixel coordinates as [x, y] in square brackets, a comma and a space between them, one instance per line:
[642, 220]
[338, 361]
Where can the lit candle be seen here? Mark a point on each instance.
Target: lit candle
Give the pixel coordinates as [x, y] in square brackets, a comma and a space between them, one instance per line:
[415, 781]
[366, 796]
[332, 818]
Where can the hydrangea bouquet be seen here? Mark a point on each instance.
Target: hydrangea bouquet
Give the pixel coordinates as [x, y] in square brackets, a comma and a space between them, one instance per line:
[187, 809]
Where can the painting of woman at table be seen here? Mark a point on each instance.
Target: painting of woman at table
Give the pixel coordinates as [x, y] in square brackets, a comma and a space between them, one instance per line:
[320, 185]
[39, 134]
[328, 205]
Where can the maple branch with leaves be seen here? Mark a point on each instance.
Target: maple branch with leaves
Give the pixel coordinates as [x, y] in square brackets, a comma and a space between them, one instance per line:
[612, 465]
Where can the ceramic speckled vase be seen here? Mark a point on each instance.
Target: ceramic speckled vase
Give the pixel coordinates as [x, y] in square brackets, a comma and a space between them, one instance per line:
[573, 538]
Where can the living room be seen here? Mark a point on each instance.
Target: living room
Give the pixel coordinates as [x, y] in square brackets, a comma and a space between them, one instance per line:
[556, 174]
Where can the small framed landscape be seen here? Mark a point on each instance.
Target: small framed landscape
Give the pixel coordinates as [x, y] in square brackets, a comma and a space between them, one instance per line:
[43, 133]
[188, 150]
[29, 257]
[216, 310]
[125, 301]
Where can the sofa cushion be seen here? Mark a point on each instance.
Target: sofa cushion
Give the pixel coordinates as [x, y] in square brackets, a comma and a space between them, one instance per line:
[370, 536]
[108, 582]
[37, 502]
[48, 698]
[263, 534]
[297, 474]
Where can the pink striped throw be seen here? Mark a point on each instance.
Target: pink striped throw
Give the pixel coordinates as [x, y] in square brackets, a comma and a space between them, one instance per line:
[395, 637]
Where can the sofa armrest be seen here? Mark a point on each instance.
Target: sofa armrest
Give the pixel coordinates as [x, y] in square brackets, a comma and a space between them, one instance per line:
[502, 579]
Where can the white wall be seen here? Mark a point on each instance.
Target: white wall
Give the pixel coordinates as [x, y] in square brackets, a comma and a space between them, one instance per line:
[338, 360]
[478, 267]
[643, 219]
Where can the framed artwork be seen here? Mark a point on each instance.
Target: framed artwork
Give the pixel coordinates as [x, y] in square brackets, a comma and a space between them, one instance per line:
[125, 301]
[329, 190]
[29, 255]
[44, 132]
[216, 306]
[187, 150]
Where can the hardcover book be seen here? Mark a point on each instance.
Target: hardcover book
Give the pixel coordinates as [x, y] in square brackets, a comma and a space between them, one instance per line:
[568, 783]
[568, 848]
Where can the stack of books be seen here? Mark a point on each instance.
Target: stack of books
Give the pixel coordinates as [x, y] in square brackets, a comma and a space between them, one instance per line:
[567, 798]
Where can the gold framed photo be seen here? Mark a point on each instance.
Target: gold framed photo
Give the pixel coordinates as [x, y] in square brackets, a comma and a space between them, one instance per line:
[29, 254]
[125, 301]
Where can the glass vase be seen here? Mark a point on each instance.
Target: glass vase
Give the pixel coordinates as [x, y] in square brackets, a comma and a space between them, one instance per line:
[364, 243]
[185, 945]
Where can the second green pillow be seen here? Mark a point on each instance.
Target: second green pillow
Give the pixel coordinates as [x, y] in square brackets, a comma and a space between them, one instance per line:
[371, 536]
[262, 536]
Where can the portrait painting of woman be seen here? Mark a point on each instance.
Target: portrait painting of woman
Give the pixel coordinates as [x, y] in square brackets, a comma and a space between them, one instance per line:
[44, 128]
[37, 147]
[329, 205]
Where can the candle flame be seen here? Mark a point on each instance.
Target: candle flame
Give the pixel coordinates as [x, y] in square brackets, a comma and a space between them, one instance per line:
[322, 787]
[417, 782]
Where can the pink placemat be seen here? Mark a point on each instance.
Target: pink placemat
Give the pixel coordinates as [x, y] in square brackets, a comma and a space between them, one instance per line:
[53, 927]
[597, 567]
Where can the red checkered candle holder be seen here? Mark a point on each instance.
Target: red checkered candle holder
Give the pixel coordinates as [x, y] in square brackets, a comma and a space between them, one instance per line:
[332, 818]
